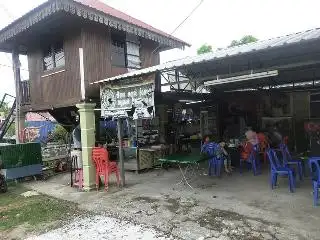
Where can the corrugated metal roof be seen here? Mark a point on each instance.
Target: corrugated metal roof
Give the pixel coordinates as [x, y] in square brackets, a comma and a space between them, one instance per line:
[219, 54]
[100, 6]
[44, 116]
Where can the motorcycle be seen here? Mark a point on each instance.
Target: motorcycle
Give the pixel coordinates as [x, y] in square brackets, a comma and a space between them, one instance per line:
[3, 182]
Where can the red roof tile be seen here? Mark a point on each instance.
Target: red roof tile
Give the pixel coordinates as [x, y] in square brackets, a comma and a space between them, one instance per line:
[100, 6]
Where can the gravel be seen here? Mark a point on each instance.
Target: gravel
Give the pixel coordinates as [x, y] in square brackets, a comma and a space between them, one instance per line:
[101, 227]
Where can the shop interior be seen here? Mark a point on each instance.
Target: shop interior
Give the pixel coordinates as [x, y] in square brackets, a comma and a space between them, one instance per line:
[182, 119]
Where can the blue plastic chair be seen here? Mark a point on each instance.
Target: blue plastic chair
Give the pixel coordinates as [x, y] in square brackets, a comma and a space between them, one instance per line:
[278, 169]
[314, 164]
[288, 161]
[252, 161]
[215, 163]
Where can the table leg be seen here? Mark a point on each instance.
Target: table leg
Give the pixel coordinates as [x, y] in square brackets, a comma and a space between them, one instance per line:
[183, 175]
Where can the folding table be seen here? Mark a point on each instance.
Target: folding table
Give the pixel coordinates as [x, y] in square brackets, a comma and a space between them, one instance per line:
[189, 161]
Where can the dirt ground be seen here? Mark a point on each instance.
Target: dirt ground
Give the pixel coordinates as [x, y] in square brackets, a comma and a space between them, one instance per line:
[232, 207]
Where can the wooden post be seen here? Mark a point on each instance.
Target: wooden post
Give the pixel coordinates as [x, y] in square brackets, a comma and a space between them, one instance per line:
[119, 125]
[157, 82]
[17, 81]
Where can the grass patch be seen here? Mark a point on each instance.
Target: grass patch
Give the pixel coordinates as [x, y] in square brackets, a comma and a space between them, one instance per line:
[17, 210]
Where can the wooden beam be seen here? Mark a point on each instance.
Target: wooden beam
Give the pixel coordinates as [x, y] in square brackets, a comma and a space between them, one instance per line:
[82, 81]
[121, 160]
[17, 81]
[157, 82]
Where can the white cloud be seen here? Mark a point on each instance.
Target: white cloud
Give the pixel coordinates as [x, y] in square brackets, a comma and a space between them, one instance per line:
[216, 22]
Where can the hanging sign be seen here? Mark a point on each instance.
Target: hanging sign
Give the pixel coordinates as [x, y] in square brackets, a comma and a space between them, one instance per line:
[136, 100]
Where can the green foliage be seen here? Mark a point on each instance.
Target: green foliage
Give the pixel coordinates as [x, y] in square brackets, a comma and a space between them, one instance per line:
[59, 134]
[244, 40]
[4, 109]
[4, 112]
[205, 48]
[17, 210]
[11, 131]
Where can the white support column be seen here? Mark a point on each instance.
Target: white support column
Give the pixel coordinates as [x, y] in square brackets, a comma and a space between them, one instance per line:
[87, 125]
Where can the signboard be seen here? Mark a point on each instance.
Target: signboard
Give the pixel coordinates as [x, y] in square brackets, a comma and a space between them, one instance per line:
[136, 100]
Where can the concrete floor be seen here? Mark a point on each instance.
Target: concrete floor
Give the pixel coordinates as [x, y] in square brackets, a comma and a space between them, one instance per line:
[232, 207]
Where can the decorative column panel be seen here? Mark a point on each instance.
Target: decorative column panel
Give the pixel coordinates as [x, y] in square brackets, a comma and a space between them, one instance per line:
[87, 125]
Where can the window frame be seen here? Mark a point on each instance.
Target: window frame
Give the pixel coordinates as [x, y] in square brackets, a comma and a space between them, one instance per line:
[115, 37]
[133, 55]
[52, 54]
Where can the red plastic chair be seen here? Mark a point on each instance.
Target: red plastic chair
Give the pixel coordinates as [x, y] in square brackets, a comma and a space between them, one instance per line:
[104, 167]
[263, 146]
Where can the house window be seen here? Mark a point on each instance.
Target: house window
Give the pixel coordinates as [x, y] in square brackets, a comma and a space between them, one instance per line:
[125, 51]
[53, 56]
[118, 57]
[133, 55]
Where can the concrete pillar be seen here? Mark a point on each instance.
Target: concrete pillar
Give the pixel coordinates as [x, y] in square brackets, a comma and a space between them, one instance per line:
[87, 125]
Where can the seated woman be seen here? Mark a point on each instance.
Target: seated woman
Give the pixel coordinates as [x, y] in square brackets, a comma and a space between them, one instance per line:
[247, 145]
[219, 152]
[252, 137]
[206, 144]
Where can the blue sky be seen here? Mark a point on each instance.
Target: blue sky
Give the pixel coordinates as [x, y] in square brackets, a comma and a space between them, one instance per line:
[216, 22]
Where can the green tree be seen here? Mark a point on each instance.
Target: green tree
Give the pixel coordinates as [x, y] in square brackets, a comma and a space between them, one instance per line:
[244, 40]
[205, 48]
[4, 112]
[59, 134]
[4, 109]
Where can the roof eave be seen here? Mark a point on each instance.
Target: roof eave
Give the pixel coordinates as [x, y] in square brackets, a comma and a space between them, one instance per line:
[51, 7]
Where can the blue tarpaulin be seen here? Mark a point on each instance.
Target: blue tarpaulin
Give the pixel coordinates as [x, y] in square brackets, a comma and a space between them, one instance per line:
[44, 128]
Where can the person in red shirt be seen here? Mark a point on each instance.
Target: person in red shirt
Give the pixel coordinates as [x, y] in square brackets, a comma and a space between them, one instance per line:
[247, 146]
[263, 145]
[246, 149]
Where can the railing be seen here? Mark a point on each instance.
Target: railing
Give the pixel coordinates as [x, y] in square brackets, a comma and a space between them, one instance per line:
[25, 92]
